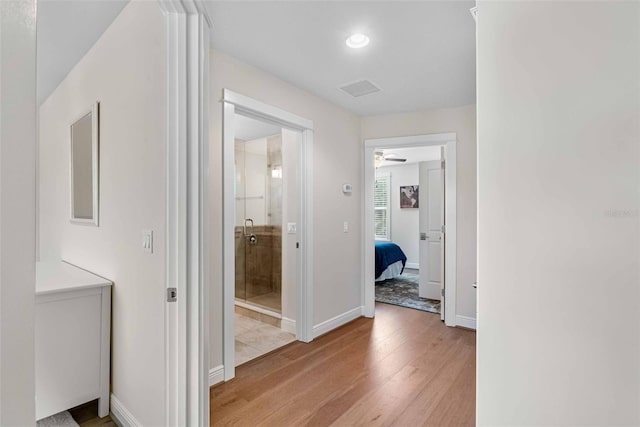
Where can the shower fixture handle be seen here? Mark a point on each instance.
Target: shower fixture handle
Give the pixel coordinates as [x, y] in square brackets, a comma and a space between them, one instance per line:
[250, 221]
[251, 237]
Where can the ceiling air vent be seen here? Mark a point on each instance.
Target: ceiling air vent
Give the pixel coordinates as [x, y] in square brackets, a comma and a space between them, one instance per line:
[361, 88]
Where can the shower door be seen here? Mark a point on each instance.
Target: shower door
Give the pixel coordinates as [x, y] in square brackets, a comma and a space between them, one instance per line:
[258, 231]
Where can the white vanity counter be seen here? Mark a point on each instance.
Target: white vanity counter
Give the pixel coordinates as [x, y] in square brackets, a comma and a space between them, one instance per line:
[73, 325]
[52, 277]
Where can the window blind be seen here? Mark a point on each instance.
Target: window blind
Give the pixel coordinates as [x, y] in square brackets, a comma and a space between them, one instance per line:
[381, 202]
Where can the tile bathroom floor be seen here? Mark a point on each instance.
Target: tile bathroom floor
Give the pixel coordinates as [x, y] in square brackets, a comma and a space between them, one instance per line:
[271, 301]
[255, 338]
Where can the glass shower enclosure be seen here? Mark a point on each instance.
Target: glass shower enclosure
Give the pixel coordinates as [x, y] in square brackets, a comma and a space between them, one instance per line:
[258, 226]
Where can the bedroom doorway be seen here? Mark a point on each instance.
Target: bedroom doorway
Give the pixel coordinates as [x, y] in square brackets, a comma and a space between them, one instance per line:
[267, 229]
[409, 223]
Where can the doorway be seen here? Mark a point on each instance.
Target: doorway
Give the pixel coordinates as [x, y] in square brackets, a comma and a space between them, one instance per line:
[258, 231]
[408, 201]
[266, 197]
[267, 229]
[440, 211]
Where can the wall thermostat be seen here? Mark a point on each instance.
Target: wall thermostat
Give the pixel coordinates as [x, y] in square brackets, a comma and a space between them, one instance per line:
[346, 188]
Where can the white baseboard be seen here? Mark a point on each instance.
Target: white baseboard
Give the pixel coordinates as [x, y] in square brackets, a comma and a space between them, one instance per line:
[258, 309]
[121, 415]
[216, 375]
[466, 322]
[288, 325]
[339, 320]
[412, 265]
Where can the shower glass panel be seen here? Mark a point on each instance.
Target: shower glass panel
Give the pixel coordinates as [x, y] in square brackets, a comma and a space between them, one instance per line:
[258, 231]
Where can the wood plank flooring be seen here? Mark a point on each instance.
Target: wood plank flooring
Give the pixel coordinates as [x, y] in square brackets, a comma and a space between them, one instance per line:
[403, 368]
[87, 416]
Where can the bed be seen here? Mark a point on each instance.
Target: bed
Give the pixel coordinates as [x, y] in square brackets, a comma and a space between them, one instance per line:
[390, 260]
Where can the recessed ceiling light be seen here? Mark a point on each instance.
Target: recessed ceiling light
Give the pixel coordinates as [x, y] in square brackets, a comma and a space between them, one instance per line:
[357, 41]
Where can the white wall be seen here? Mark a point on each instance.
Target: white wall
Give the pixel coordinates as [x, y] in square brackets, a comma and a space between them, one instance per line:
[405, 223]
[251, 181]
[558, 224]
[17, 211]
[125, 71]
[462, 121]
[337, 159]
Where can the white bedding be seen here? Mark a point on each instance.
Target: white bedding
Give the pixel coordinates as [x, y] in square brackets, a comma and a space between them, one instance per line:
[392, 271]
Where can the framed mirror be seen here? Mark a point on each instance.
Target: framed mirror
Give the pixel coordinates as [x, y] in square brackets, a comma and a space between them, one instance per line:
[84, 167]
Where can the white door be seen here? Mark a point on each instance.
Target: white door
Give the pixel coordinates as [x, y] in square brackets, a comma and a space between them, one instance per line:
[430, 223]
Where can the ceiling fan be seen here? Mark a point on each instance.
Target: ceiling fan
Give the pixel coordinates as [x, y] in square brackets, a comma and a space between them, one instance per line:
[381, 157]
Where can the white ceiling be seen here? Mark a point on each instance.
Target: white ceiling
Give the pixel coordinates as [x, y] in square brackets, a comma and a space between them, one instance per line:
[248, 129]
[421, 54]
[413, 155]
[66, 30]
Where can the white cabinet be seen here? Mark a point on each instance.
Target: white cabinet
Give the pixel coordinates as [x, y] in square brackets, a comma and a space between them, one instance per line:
[72, 349]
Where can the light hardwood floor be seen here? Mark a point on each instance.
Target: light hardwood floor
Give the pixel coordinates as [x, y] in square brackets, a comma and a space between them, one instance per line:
[403, 368]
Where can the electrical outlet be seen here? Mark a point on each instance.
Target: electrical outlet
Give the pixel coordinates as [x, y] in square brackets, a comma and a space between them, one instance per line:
[346, 227]
[292, 228]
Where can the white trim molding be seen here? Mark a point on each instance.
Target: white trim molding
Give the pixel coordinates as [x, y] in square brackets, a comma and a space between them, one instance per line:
[304, 306]
[448, 140]
[451, 233]
[228, 242]
[412, 265]
[186, 320]
[337, 321]
[258, 309]
[121, 414]
[253, 108]
[466, 322]
[94, 110]
[288, 325]
[234, 103]
[216, 375]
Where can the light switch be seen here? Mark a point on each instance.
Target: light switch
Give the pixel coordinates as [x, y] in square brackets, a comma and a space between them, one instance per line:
[147, 241]
[291, 228]
[346, 227]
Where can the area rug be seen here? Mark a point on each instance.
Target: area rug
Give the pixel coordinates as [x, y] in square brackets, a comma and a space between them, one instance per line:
[63, 419]
[403, 291]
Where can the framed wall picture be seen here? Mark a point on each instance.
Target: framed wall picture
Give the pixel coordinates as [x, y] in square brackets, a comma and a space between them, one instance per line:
[409, 196]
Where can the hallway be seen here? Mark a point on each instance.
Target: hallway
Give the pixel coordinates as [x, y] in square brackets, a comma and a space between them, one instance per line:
[405, 367]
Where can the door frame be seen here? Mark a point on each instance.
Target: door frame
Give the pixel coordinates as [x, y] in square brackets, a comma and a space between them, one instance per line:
[448, 140]
[185, 322]
[18, 142]
[236, 103]
[186, 257]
